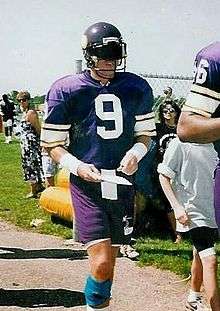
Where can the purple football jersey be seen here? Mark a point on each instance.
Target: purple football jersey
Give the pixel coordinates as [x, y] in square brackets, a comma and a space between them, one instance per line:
[204, 96]
[101, 121]
[207, 64]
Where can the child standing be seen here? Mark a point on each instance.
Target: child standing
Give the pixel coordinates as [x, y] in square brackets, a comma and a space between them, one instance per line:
[186, 177]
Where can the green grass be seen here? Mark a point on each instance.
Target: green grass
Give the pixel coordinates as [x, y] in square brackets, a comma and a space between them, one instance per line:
[165, 254]
[13, 205]
[159, 252]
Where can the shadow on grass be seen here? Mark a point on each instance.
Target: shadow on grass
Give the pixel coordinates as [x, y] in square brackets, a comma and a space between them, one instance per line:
[19, 253]
[33, 298]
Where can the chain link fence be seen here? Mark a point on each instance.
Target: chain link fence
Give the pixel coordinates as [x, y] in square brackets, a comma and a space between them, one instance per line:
[179, 84]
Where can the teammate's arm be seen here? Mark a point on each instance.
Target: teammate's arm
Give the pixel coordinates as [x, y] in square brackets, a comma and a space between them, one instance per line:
[196, 128]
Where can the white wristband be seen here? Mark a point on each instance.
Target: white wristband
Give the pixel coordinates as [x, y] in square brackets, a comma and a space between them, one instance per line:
[139, 150]
[70, 162]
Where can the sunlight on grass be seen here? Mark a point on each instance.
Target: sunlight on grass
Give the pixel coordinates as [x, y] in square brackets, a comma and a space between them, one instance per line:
[165, 254]
[13, 205]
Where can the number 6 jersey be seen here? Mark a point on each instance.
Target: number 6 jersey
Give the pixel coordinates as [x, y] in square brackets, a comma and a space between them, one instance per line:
[204, 96]
[101, 121]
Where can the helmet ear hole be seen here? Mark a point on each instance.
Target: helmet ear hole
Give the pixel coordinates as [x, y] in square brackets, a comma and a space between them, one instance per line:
[103, 41]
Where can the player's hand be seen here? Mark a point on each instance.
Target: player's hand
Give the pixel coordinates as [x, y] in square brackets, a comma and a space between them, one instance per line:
[129, 164]
[89, 172]
[181, 216]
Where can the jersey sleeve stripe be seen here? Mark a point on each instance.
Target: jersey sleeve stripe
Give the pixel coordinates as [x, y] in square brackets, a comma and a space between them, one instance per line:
[53, 136]
[147, 116]
[145, 133]
[56, 126]
[53, 129]
[205, 91]
[145, 125]
[187, 108]
[202, 103]
[52, 144]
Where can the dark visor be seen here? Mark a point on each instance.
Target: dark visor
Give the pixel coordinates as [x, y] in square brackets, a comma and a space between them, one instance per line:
[111, 51]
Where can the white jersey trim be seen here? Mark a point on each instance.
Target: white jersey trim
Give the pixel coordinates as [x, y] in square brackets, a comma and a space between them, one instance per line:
[201, 104]
[56, 126]
[51, 138]
[145, 133]
[186, 108]
[146, 125]
[205, 91]
[145, 116]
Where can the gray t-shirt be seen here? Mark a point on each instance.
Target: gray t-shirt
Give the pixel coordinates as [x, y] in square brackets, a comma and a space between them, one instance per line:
[191, 168]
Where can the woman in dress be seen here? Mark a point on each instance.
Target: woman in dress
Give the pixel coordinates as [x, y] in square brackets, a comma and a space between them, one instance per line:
[30, 145]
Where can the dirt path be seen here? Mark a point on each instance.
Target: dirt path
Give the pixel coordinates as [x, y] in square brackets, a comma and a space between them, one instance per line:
[38, 272]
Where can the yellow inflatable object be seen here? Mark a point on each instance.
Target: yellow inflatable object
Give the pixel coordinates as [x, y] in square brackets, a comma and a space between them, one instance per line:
[57, 200]
[62, 178]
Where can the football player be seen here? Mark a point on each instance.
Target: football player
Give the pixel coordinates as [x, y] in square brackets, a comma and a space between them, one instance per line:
[108, 117]
[200, 122]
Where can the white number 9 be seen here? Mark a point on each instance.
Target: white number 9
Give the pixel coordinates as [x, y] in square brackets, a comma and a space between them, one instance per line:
[115, 115]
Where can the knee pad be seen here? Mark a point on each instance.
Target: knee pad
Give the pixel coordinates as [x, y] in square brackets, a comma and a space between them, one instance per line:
[96, 293]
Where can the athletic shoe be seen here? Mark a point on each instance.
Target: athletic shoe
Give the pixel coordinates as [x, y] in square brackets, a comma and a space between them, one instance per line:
[196, 305]
[31, 195]
[128, 251]
[9, 139]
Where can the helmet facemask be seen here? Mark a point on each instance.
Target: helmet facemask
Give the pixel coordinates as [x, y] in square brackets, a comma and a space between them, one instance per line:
[111, 51]
[103, 41]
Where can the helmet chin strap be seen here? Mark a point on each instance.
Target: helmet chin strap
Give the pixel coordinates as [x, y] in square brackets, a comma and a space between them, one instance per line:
[99, 73]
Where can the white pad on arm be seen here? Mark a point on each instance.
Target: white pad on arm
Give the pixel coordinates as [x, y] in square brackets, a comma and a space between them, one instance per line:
[70, 162]
[139, 150]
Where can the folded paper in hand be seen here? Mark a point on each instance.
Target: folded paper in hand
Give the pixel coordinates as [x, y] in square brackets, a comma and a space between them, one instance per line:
[116, 180]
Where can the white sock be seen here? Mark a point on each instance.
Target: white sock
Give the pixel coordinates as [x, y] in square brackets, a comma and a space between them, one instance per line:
[193, 296]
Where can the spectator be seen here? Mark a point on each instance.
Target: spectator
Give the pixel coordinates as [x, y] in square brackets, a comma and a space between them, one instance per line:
[7, 111]
[114, 115]
[30, 145]
[145, 190]
[168, 93]
[168, 116]
[186, 176]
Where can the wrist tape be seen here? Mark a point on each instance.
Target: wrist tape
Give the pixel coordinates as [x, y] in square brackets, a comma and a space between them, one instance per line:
[139, 150]
[70, 162]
